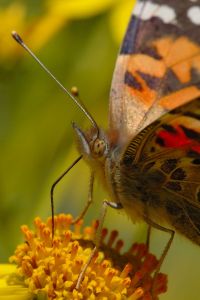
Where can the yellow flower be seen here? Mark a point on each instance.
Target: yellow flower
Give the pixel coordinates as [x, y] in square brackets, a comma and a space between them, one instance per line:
[11, 287]
[40, 28]
[49, 269]
[12, 16]
[58, 13]
[119, 18]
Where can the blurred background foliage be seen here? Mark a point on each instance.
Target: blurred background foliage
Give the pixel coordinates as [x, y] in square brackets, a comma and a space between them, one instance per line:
[78, 40]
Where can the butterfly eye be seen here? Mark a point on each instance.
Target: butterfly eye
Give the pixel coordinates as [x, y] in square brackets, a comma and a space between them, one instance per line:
[99, 147]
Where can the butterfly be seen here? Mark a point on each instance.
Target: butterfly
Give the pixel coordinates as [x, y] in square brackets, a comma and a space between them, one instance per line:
[149, 158]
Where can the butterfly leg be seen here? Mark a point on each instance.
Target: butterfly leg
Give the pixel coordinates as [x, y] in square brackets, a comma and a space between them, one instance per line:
[89, 201]
[53, 188]
[148, 236]
[97, 240]
[168, 245]
[102, 218]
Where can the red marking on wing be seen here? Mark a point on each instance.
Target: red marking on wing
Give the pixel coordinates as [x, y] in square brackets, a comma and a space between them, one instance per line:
[178, 139]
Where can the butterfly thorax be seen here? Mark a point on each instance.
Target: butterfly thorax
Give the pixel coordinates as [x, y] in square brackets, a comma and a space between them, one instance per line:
[136, 178]
[138, 189]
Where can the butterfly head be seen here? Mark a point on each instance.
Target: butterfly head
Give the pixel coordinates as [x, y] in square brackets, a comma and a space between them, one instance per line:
[91, 144]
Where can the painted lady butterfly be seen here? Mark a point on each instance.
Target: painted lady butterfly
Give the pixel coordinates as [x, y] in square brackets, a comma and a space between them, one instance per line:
[149, 160]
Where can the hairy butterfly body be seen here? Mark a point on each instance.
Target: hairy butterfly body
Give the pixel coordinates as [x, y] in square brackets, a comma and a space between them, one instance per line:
[149, 160]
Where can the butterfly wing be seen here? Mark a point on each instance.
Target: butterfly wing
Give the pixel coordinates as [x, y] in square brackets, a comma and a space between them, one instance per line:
[168, 159]
[158, 67]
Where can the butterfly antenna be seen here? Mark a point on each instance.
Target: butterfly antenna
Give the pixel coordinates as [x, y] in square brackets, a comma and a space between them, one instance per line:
[19, 40]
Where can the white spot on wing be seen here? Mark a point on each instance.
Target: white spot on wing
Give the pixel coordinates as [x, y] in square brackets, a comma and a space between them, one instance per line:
[164, 12]
[193, 14]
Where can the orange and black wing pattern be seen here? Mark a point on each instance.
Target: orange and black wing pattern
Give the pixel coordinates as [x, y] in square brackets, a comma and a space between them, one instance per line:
[160, 170]
[158, 67]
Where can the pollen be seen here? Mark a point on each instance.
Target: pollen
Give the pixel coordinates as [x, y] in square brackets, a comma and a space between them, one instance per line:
[52, 267]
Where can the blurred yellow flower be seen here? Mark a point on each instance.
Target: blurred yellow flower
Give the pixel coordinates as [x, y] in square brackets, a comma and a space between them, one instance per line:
[55, 14]
[10, 288]
[120, 17]
[50, 269]
[80, 8]
[61, 11]
[12, 16]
